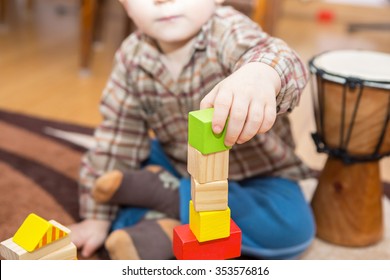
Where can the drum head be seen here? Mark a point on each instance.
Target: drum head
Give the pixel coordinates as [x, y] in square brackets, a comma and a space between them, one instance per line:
[367, 66]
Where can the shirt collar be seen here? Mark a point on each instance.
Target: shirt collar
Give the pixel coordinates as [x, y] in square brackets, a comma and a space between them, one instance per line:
[202, 37]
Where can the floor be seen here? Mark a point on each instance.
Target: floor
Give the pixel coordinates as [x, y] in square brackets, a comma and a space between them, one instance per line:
[40, 75]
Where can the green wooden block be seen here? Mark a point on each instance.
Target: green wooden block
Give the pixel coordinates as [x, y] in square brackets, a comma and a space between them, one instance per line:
[201, 135]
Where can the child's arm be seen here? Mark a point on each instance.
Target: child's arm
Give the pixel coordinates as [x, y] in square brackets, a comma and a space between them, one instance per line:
[267, 79]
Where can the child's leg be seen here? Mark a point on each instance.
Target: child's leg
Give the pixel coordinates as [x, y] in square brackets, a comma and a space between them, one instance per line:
[141, 233]
[154, 187]
[147, 240]
[275, 219]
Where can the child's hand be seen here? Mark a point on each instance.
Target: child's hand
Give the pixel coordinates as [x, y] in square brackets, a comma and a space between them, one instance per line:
[248, 97]
[89, 235]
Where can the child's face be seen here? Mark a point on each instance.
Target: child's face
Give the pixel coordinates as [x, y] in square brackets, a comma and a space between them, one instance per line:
[170, 21]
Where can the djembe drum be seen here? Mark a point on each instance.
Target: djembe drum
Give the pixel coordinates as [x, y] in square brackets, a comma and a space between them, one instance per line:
[351, 94]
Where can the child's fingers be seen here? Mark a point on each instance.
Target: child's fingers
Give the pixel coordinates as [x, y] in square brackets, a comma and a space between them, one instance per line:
[237, 118]
[222, 104]
[90, 247]
[269, 118]
[87, 251]
[77, 235]
[253, 122]
[208, 100]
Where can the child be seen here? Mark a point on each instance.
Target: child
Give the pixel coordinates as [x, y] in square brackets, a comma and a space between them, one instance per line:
[188, 55]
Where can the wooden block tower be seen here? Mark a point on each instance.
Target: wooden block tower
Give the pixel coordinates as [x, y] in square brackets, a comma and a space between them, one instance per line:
[211, 233]
[38, 239]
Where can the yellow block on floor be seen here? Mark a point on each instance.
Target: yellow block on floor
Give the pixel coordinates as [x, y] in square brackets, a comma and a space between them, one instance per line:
[12, 251]
[209, 225]
[36, 232]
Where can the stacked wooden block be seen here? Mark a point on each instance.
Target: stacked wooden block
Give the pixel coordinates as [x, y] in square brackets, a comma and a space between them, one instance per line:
[38, 239]
[211, 233]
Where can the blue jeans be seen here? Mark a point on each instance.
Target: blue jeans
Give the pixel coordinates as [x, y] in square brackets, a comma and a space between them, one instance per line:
[272, 213]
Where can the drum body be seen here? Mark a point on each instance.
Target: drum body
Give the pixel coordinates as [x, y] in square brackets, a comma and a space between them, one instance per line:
[352, 104]
[351, 95]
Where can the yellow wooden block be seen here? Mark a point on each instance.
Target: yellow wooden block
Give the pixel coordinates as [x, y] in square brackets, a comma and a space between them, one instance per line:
[36, 232]
[208, 168]
[211, 196]
[30, 232]
[209, 225]
[12, 251]
[9, 250]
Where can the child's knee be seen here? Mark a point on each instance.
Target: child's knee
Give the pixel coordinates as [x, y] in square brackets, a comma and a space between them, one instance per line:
[284, 238]
[296, 229]
[120, 246]
[301, 232]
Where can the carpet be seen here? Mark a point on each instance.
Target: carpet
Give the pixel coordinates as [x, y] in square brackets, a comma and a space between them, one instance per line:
[39, 165]
[38, 171]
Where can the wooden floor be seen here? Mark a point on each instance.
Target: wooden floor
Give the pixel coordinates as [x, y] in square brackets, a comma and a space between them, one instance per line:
[39, 59]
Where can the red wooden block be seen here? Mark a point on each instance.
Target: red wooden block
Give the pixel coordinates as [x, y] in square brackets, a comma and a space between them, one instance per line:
[186, 247]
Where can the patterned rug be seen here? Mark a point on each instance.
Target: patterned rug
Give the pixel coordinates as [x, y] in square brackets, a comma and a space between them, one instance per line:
[39, 164]
[38, 171]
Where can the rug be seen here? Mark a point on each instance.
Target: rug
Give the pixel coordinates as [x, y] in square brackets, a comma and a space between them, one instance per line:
[38, 171]
[39, 165]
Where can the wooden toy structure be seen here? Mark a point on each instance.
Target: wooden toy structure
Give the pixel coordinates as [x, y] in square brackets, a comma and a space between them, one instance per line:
[211, 233]
[38, 239]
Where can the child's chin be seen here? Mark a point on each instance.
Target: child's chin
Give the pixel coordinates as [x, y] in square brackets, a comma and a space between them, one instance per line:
[175, 35]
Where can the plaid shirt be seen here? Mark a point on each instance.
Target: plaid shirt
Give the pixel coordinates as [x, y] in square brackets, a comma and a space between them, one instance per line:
[141, 96]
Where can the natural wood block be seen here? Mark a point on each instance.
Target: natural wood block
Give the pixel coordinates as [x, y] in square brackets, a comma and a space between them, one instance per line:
[201, 135]
[69, 252]
[12, 251]
[9, 250]
[187, 247]
[209, 196]
[208, 168]
[209, 225]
